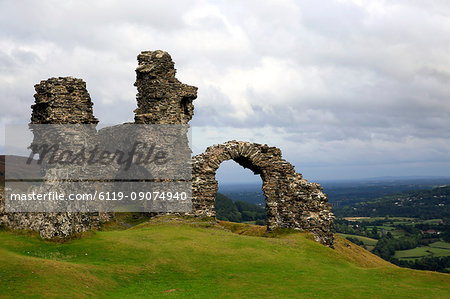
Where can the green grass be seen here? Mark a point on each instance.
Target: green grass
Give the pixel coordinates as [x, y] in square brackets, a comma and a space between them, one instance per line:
[444, 245]
[386, 227]
[181, 259]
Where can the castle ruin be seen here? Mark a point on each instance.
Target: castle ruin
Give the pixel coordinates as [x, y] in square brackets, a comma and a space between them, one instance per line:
[291, 201]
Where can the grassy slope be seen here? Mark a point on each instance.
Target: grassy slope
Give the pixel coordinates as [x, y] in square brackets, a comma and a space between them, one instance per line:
[177, 259]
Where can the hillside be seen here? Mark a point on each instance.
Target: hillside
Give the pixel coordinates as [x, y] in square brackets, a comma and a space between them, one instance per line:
[342, 192]
[426, 204]
[16, 168]
[183, 258]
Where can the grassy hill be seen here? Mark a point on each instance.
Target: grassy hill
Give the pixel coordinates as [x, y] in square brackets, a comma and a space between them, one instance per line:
[172, 257]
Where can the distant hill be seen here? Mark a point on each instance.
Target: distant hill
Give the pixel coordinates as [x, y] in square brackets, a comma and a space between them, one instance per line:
[425, 204]
[238, 211]
[16, 168]
[343, 192]
[251, 193]
[353, 191]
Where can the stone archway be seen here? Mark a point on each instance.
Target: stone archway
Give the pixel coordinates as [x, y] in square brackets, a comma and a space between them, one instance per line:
[291, 201]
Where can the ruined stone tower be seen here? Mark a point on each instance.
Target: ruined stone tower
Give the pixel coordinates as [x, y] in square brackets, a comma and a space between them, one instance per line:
[62, 101]
[161, 98]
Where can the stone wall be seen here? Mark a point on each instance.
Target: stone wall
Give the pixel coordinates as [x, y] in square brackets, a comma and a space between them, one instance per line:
[291, 201]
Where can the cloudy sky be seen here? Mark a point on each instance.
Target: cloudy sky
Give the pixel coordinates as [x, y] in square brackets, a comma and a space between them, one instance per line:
[346, 88]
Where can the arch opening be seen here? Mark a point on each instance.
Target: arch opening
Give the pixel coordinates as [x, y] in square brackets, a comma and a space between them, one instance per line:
[240, 197]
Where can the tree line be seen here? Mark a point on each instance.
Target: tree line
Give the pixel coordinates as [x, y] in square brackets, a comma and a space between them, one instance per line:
[238, 211]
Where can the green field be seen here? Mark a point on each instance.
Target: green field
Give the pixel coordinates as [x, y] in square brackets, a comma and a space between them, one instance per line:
[170, 257]
[424, 251]
[402, 219]
[443, 245]
[436, 249]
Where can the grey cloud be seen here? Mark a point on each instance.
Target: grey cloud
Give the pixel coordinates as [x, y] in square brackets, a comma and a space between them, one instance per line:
[304, 74]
